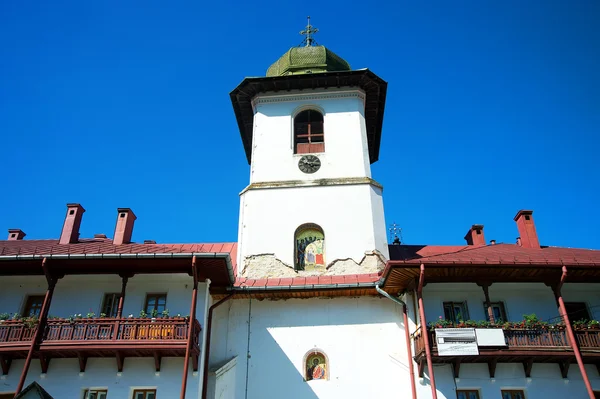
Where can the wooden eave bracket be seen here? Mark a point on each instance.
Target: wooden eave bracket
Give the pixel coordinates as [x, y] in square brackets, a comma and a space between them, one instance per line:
[527, 366]
[195, 361]
[5, 362]
[492, 367]
[120, 361]
[456, 368]
[157, 361]
[44, 363]
[421, 367]
[564, 368]
[82, 362]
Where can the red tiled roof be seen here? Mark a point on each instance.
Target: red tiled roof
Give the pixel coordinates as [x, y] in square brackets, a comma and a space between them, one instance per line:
[493, 254]
[105, 246]
[348, 280]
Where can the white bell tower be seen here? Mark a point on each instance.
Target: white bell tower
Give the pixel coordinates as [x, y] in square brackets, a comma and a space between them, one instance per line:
[311, 129]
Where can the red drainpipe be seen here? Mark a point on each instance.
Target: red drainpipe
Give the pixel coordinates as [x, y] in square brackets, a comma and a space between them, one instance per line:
[190, 329]
[570, 334]
[40, 328]
[207, 347]
[425, 332]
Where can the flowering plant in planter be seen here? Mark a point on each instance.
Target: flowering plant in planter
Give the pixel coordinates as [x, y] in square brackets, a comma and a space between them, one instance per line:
[4, 316]
[586, 324]
[594, 324]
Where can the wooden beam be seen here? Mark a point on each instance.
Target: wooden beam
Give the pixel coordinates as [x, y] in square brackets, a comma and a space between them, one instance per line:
[421, 367]
[44, 363]
[5, 362]
[456, 368]
[527, 366]
[195, 362]
[82, 362]
[564, 368]
[157, 361]
[492, 367]
[120, 361]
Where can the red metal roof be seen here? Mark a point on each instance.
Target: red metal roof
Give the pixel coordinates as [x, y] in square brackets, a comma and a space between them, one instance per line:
[308, 282]
[105, 246]
[498, 254]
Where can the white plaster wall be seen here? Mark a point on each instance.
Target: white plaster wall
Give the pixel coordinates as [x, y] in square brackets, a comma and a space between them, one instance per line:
[351, 217]
[83, 294]
[518, 298]
[545, 382]
[346, 150]
[63, 380]
[363, 338]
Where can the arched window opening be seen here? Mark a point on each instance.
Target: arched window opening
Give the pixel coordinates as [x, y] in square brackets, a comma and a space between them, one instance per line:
[309, 241]
[316, 365]
[308, 132]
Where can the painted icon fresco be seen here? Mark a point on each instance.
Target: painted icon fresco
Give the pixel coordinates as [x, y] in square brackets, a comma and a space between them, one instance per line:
[310, 249]
[316, 367]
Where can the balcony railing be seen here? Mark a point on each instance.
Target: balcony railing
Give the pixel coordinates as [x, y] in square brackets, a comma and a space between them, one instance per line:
[103, 330]
[109, 329]
[527, 339]
[16, 332]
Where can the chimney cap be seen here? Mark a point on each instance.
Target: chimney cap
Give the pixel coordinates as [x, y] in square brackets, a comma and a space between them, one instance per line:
[126, 210]
[74, 205]
[102, 236]
[523, 212]
[149, 242]
[16, 234]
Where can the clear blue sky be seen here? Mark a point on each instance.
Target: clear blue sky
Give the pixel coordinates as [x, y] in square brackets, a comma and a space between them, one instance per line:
[492, 107]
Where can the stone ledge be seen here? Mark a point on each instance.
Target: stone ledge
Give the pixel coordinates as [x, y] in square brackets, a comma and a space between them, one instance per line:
[342, 181]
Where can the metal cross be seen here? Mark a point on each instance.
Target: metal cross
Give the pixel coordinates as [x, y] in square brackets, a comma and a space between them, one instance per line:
[309, 32]
[396, 233]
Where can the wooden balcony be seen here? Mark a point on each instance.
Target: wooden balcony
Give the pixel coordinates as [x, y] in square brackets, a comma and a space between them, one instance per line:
[100, 337]
[524, 346]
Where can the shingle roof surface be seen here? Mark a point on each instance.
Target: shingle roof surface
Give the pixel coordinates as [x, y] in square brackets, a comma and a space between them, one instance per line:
[493, 254]
[105, 246]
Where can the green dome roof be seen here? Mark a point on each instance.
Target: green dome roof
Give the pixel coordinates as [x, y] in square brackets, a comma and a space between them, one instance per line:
[308, 59]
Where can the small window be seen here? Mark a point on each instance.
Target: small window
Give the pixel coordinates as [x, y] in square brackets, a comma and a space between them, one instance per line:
[577, 311]
[95, 394]
[456, 311]
[110, 304]
[309, 242]
[467, 394]
[144, 394]
[498, 310]
[513, 394]
[155, 304]
[33, 306]
[309, 136]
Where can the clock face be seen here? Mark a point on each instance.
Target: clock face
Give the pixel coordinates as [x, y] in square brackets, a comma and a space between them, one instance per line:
[309, 164]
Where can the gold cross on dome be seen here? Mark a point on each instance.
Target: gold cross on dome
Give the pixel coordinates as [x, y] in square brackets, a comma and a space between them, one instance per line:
[308, 32]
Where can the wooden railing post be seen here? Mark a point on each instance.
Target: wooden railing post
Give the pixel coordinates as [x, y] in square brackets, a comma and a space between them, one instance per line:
[563, 312]
[41, 325]
[188, 348]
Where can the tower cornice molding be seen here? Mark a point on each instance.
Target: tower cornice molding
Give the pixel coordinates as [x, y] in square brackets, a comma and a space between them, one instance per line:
[342, 181]
[299, 96]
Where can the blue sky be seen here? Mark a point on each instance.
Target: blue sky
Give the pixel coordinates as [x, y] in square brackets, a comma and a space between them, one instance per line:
[492, 107]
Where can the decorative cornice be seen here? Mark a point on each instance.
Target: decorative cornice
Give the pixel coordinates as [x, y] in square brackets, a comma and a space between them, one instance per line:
[334, 95]
[342, 181]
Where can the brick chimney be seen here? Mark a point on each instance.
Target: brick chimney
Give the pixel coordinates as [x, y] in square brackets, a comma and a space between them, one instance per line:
[70, 230]
[526, 226]
[15, 234]
[475, 235]
[124, 228]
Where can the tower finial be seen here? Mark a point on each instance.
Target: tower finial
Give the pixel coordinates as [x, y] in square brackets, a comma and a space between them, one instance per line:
[308, 32]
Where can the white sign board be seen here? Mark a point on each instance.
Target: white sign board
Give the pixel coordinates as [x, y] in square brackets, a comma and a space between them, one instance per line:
[490, 337]
[456, 342]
